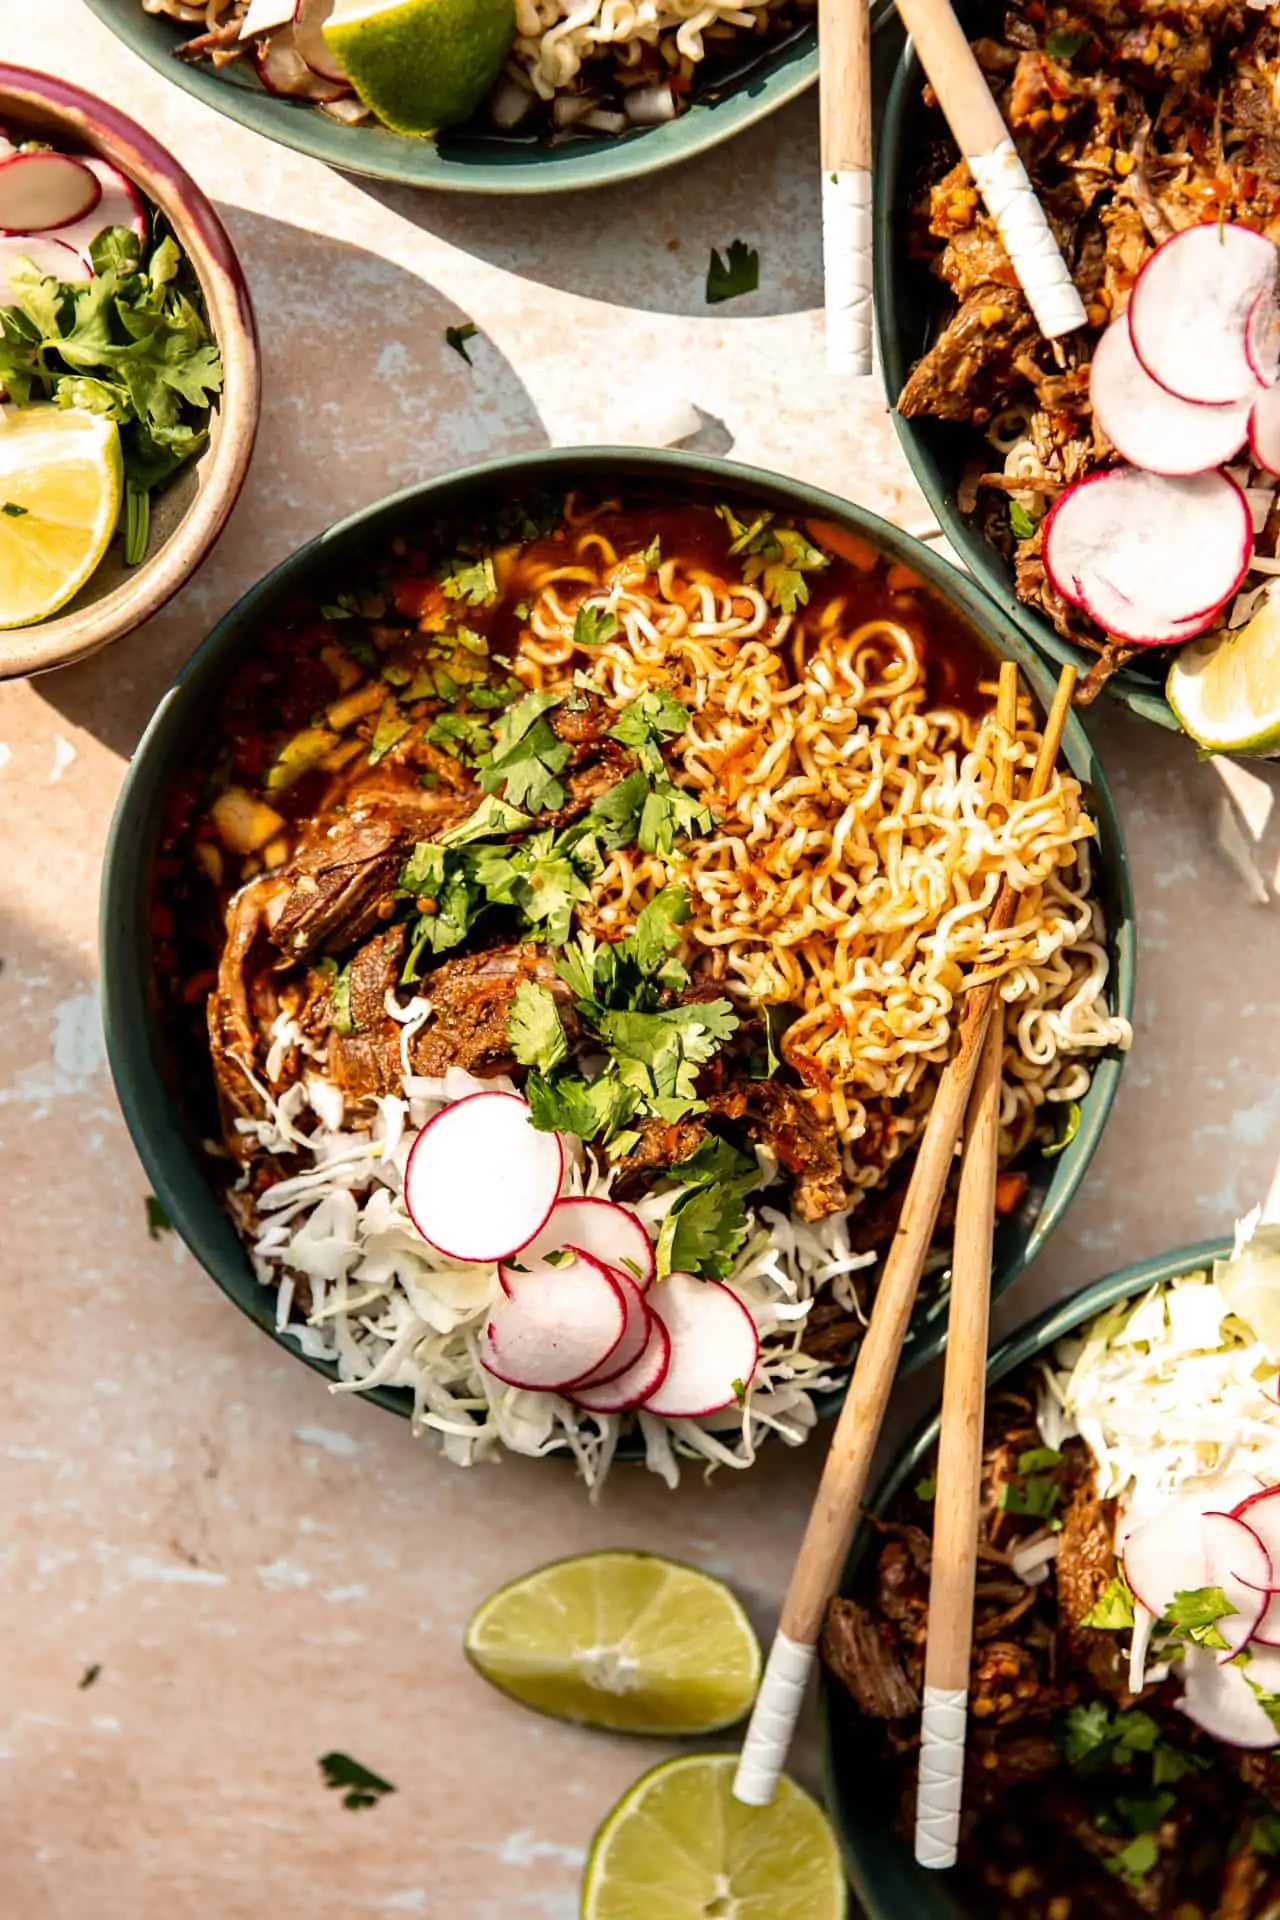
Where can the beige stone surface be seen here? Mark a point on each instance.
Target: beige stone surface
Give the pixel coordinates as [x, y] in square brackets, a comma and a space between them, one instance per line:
[261, 1572]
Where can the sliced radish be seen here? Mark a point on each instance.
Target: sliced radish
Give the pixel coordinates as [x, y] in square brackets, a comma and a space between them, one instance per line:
[1237, 1561]
[635, 1337]
[1185, 1545]
[264, 16]
[481, 1179]
[1264, 431]
[282, 70]
[634, 1387]
[1261, 1511]
[606, 1229]
[1150, 426]
[1190, 308]
[557, 1326]
[39, 191]
[1151, 559]
[1262, 338]
[714, 1347]
[121, 205]
[308, 36]
[1220, 1701]
[52, 258]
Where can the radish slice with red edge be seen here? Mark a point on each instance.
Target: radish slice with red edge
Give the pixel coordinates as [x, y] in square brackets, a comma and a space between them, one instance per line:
[481, 1179]
[635, 1335]
[41, 191]
[557, 1326]
[604, 1228]
[1221, 1702]
[1151, 427]
[714, 1347]
[121, 205]
[282, 70]
[308, 36]
[632, 1388]
[53, 259]
[1261, 1511]
[264, 16]
[1185, 1546]
[1262, 338]
[1190, 308]
[1237, 1561]
[1149, 557]
[1264, 431]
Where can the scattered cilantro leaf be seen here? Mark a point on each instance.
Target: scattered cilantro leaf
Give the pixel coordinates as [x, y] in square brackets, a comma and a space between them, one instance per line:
[536, 1029]
[1143, 1811]
[1094, 1734]
[340, 1001]
[927, 1489]
[1135, 1861]
[736, 273]
[527, 756]
[704, 1230]
[1264, 1833]
[357, 1785]
[471, 580]
[491, 817]
[158, 1221]
[652, 555]
[777, 557]
[1035, 1496]
[592, 626]
[460, 734]
[1112, 1611]
[457, 338]
[1036, 1459]
[1064, 44]
[1195, 1612]
[390, 730]
[1020, 521]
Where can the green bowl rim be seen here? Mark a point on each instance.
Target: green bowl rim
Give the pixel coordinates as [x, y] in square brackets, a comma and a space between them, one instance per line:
[381, 155]
[894, 154]
[171, 1156]
[1020, 1346]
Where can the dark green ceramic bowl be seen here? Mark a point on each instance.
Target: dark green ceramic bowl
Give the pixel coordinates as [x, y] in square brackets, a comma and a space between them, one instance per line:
[909, 300]
[145, 1076]
[885, 1877]
[460, 162]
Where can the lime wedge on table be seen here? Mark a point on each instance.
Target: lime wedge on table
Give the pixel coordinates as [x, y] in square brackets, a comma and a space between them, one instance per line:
[627, 1641]
[1225, 689]
[680, 1847]
[421, 64]
[61, 478]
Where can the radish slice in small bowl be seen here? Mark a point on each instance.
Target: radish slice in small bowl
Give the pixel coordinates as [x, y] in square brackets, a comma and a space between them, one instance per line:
[1148, 425]
[1146, 556]
[41, 191]
[559, 1325]
[632, 1388]
[1191, 306]
[714, 1346]
[50, 257]
[120, 206]
[604, 1228]
[481, 1179]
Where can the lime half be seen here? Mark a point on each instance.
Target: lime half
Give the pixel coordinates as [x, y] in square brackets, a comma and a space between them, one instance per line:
[61, 479]
[421, 64]
[1225, 689]
[627, 1641]
[680, 1847]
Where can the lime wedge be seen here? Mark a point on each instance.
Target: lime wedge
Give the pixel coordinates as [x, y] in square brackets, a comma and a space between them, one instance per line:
[678, 1846]
[1225, 689]
[421, 64]
[622, 1640]
[61, 478]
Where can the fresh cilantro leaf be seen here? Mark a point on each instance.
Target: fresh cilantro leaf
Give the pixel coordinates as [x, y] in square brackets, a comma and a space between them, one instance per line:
[717, 1162]
[668, 814]
[460, 734]
[120, 247]
[14, 511]
[1113, 1609]
[457, 338]
[591, 1109]
[537, 1033]
[527, 756]
[592, 626]
[1020, 521]
[1085, 1731]
[424, 870]
[1035, 1497]
[471, 580]
[652, 555]
[492, 817]
[390, 730]
[1264, 1832]
[90, 1676]
[617, 813]
[1093, 1735]
[736, 273]
[1136, 1860]
[739, 1391]
[158, 1221]
[455, 906]
[642, 725]
[340, 1001]
[1170, 1764]
[927, 1489]
[657, 931]
[1063, 44]
[560, 1258]
[1269, 1702]
[1070, 1128]
[1142, 1811]
[1036, 1459]
[358, 1787]
[1195, 1612]
[702, 1233]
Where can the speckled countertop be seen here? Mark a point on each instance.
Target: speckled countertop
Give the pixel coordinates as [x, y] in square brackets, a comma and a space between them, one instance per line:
[260, 1573]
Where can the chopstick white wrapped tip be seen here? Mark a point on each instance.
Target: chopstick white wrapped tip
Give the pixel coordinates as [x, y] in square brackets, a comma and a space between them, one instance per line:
[773, 1720]
[846, 254]
[942, 1740]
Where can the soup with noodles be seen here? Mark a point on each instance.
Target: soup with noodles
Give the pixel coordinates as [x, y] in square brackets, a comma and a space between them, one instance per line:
[679, 821]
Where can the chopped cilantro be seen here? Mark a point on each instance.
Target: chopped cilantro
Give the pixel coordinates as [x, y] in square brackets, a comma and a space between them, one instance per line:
[1264, 1832]
[358, 1787]
[1136, 1860]
[652, 555]
[471, 580]
[158, 1221]
[492, 816]
[460, 734]
[1141, 1812]
[1070, 1128]
[340, 1001]
[457, 338]
[1195, 1613]
[390, 730]
[536, 1029]
[1094, 1735]
[14, 511]
[560, 1258]
[739, 1391]
[1113, 1609]
[646, 722]
[777, 557]
[927, 1489]
[736, 273]
[592, 626]
[527, 756]
[1036, 1459]
[1064, 44]
[1035, 1497]
[1020, 520]
[1269, 1702]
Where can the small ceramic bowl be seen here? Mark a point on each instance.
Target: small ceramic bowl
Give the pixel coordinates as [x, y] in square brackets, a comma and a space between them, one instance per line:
[145, 1077]
[908, 302]
[885, 1877]
[190, 513]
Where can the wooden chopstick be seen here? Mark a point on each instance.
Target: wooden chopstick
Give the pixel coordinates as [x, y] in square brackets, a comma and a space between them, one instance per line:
[958, 1487]
[998, 172]
[844, 82]
[834, 1515]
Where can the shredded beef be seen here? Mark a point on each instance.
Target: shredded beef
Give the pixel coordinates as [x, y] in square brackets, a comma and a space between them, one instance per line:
[857, 1652]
